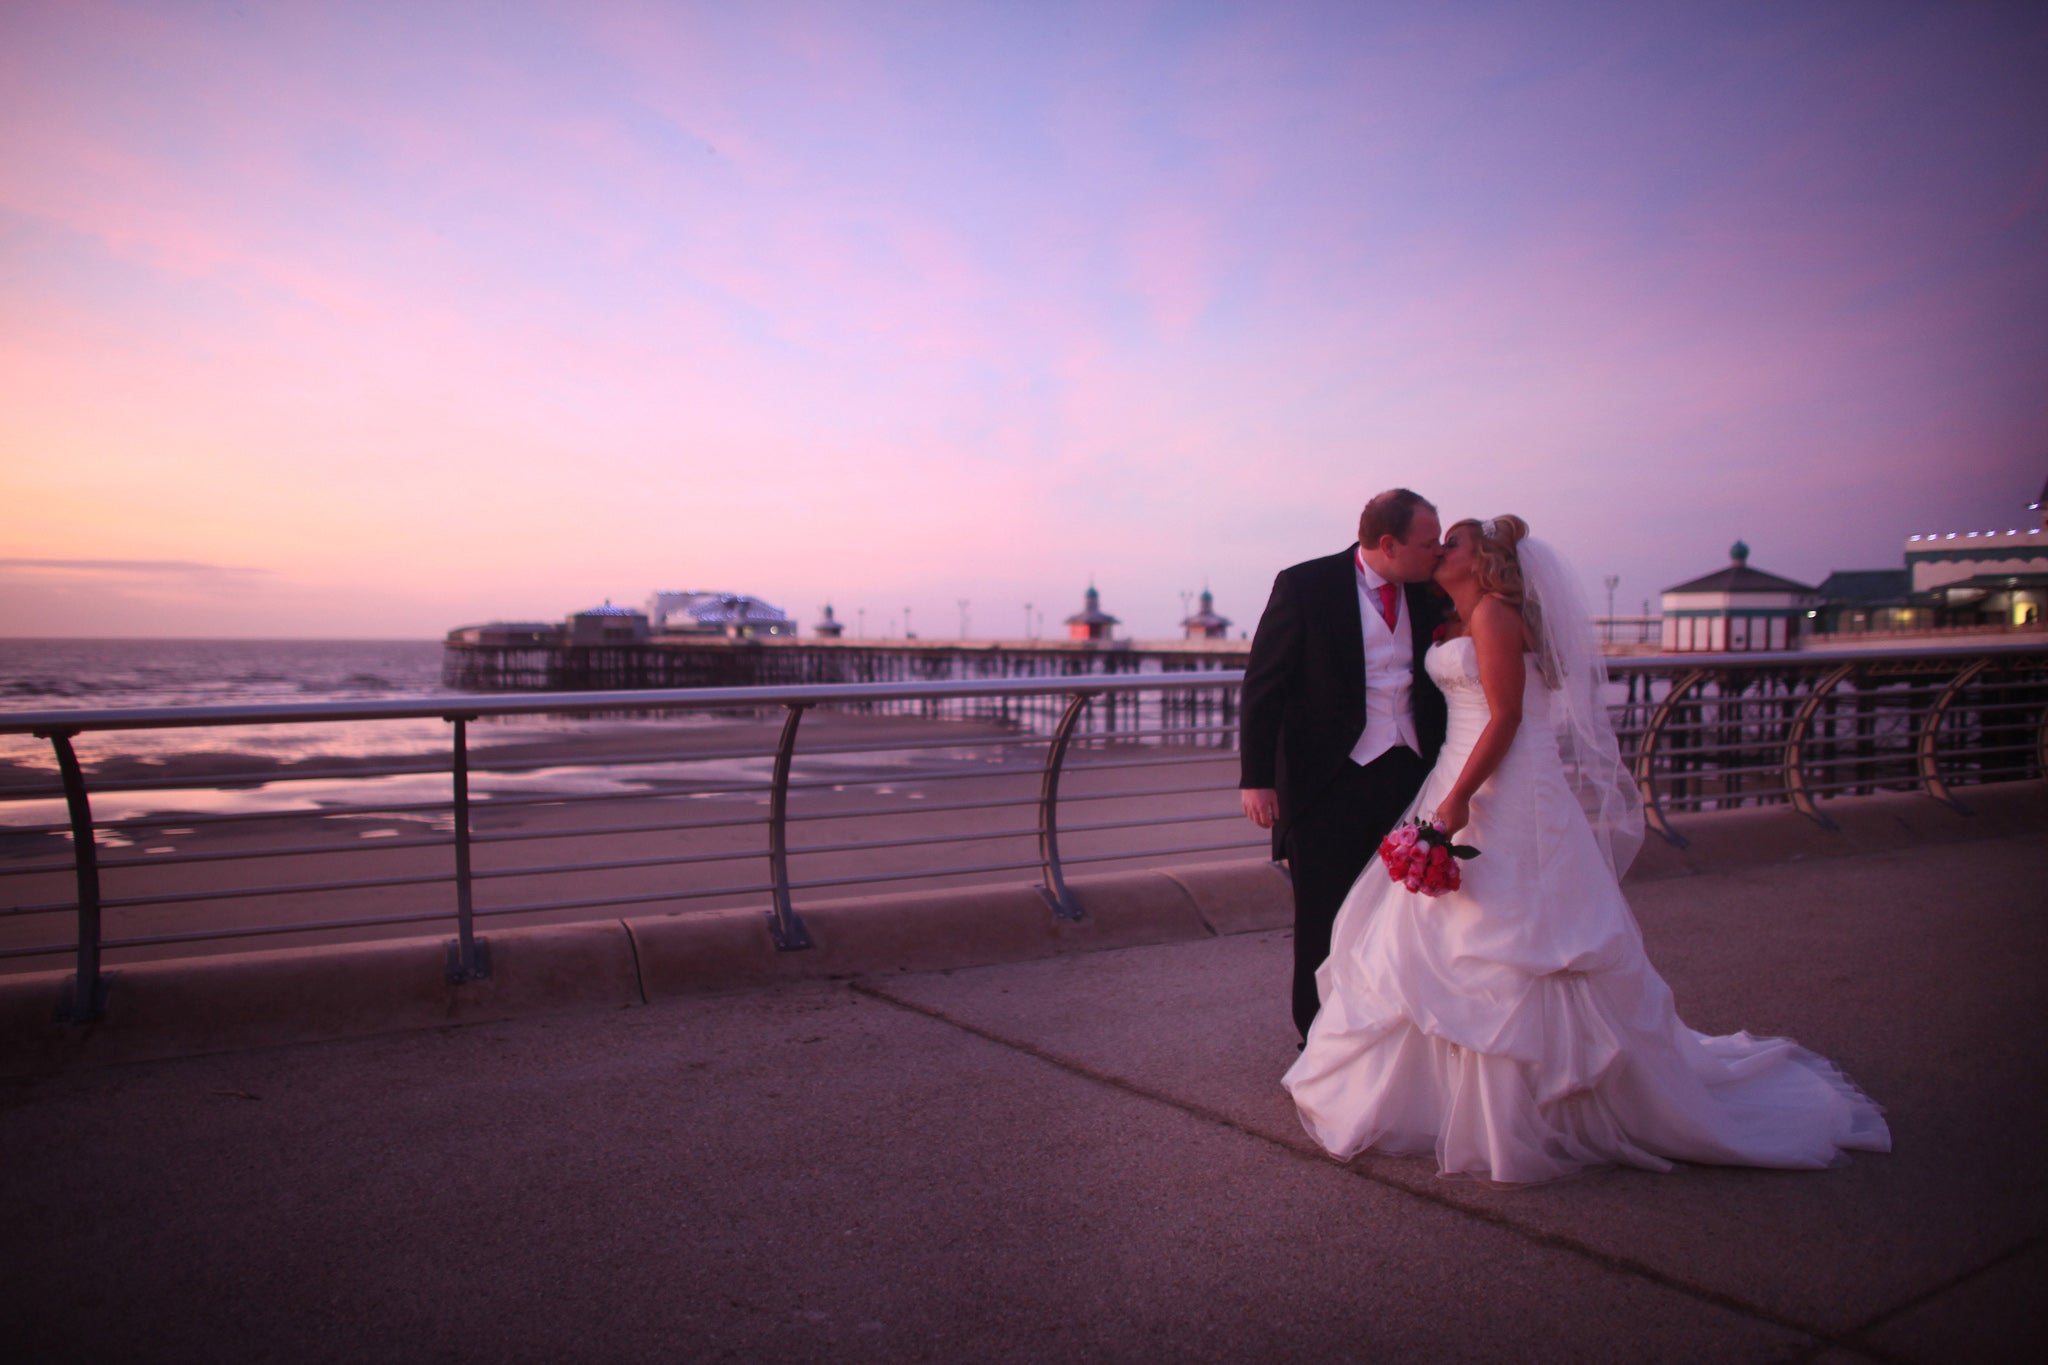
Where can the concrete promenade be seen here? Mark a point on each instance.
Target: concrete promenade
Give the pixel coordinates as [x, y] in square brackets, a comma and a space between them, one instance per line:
[1079, 1157]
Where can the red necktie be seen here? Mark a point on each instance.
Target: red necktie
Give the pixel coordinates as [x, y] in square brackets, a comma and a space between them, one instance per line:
[1387, 591]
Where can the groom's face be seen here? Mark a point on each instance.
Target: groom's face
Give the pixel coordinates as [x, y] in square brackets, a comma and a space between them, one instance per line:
[1414, 559]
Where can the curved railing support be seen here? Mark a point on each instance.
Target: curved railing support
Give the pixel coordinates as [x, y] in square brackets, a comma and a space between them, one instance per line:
[1646, 757]
[1930, 737]
[1795, 746]
[785, 926]
[469, 957]
[2041, 747]
[88, 998]
[1054, 889]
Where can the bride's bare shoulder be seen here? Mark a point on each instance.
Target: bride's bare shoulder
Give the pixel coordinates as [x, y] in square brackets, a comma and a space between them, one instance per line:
[1497, 621]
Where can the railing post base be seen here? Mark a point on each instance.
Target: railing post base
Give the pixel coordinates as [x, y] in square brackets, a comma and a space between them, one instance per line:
[788, 932]
[83, 1006]
[477, 968]
[1063, 905]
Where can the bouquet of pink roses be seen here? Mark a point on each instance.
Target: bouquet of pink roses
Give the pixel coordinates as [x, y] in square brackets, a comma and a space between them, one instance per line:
[1422, 858]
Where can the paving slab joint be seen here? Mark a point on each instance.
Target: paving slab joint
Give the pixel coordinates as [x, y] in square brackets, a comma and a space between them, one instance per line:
[1307, 1151]
[1244, 896]
[1858, 1338]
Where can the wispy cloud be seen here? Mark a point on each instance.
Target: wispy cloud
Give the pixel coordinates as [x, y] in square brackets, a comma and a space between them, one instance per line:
[173, 568]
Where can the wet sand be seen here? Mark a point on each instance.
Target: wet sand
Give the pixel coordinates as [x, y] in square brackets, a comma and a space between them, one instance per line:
[563, 833]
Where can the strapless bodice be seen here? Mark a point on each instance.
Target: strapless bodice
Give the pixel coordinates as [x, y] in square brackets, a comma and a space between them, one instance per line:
[1454, 666]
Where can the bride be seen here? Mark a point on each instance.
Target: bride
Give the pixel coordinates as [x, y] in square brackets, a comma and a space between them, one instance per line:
[1515, 1026]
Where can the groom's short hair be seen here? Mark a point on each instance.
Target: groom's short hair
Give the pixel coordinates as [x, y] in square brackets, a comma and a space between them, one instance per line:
[1390, 514]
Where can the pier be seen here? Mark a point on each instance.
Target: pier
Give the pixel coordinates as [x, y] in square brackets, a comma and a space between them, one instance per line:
[760, 662]
[766, 662]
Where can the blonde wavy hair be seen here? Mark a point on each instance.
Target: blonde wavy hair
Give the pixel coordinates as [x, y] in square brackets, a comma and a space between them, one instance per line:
[1499, 571]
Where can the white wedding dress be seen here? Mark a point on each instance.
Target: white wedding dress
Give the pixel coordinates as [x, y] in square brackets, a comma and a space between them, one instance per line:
[1516, 1027]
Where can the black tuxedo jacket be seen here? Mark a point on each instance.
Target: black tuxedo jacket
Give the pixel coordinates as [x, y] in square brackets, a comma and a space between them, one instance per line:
[1304, 689]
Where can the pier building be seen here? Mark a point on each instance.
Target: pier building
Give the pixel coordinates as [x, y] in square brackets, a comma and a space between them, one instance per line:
[1736, 608]
[1984, 578]
[1091, 622]
[1859, 601]
[728, 614]
[1950, 581]
[508, 634]
[1206, 624]
[607, 625]
[1945, 558]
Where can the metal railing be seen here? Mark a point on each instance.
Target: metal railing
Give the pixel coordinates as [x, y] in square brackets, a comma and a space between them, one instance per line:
[1714, 731]
[1703, 732]
[1183, 723]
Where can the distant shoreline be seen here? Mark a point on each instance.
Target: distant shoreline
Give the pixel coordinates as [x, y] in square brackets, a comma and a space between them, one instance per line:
[223, 639]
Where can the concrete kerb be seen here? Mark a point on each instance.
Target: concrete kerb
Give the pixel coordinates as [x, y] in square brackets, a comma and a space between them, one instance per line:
[183, 1007]
[917, 931]
[1726, 841]
[1238, 897]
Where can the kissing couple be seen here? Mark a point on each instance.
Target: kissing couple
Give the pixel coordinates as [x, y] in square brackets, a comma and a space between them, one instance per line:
[1512, 1025]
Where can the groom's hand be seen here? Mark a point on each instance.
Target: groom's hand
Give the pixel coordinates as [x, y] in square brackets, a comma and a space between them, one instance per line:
[1261, 805]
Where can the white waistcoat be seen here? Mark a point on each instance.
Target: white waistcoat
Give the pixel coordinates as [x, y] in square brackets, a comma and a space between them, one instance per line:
[1389, 672]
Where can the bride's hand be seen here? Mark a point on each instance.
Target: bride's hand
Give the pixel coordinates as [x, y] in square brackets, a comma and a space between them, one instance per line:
[1453, 813]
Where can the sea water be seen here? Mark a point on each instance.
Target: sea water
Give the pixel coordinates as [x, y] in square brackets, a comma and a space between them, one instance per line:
[46, 675]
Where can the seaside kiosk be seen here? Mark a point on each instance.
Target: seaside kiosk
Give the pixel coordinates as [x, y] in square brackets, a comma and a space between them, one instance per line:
[1736, 609]
[1091, 622]
[1206, 624]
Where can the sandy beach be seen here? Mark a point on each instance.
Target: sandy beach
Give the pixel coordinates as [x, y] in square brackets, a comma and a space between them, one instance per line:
[649, 816]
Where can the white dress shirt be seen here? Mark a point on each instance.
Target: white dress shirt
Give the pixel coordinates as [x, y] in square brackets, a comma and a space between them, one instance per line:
[1389, 670]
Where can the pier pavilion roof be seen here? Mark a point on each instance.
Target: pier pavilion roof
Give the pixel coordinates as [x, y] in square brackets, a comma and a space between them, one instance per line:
[1738, 577]
[1091, 613]
[1207, 618]
[722, 613]
[1867, 585]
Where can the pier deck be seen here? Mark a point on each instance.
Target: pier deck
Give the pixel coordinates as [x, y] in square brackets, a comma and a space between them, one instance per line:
[681, 661]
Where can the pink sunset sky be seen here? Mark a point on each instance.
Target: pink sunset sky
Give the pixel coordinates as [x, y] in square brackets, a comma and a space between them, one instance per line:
[373, 319]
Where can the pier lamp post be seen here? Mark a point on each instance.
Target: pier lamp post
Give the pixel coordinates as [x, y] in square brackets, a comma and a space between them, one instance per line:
[1613, 581]
[1027, 620]
[860, 628]
[906, 625]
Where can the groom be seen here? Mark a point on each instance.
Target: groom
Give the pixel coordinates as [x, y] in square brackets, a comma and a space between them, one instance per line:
[1340, 722]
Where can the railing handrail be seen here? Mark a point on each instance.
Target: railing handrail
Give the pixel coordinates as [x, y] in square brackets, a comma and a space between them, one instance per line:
[471, 704]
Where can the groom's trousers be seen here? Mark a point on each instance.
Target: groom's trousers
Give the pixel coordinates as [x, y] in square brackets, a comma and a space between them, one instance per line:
[1329, 844]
